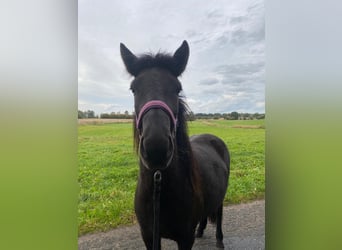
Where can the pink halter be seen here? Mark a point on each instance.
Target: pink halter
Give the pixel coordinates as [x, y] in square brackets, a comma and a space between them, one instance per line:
[155, 104]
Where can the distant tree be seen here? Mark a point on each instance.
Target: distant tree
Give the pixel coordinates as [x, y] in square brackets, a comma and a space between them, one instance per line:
[260, 116]
[90, 114]
[81, 114]
[86, 114]
[104, 116]
[245, 116]
[117, 115]
[234, 115]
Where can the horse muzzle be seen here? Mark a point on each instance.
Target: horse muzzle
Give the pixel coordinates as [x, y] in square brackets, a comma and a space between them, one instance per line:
[157, 128]
[156, 153]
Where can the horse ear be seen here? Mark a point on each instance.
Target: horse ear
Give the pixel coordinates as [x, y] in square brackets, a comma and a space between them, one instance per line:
[129, 59]
[180, 58]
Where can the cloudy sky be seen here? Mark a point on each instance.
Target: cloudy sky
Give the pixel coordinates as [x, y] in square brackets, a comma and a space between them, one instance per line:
[226, 67]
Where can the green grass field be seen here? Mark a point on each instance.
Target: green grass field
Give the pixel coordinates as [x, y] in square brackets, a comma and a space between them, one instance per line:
[108, 168]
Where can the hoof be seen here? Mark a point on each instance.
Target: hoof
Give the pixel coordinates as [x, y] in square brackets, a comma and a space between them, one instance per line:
[219, 244]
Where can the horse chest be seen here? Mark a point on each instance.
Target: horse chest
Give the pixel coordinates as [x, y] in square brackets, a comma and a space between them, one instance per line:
[176, 205]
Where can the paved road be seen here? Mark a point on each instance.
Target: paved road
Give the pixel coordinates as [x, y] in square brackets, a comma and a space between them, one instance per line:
[243, 228]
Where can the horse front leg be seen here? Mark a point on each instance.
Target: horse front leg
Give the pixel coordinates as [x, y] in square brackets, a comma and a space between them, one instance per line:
[148, 240]
[186, 240]
[186, 244]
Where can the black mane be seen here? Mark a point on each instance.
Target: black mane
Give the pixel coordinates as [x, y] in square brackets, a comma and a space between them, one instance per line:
[159, 60]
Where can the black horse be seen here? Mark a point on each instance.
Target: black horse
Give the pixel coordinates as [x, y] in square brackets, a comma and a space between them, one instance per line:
[195, 171]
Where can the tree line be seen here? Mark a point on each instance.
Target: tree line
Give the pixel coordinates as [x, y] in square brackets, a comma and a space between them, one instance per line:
[227, 116]
[192, 116]
[112, 115]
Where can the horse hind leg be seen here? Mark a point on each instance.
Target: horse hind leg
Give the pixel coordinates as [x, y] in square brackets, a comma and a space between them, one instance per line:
[201, 227]
[219, 234]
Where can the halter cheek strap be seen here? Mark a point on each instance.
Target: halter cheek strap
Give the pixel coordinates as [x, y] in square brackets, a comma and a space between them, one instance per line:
[155, 104]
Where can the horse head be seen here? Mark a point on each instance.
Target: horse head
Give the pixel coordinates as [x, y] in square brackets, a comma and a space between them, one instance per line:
[156, 91]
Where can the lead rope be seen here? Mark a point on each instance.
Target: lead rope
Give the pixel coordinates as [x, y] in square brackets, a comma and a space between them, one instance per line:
[156, 209]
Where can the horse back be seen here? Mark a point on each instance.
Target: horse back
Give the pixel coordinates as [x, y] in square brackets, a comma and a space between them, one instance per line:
[213, 160]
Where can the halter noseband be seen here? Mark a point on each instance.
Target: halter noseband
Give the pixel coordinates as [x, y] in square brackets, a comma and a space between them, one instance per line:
[155, 104]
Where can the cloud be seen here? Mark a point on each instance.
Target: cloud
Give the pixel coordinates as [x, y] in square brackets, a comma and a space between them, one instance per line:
[240, 68]
[238, 19]
[247, 78]
[209, 81]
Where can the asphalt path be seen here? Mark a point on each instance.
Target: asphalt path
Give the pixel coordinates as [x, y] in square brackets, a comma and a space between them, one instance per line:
[243, 228]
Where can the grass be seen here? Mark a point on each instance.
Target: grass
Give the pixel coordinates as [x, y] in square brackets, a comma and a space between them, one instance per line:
[108, 168]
